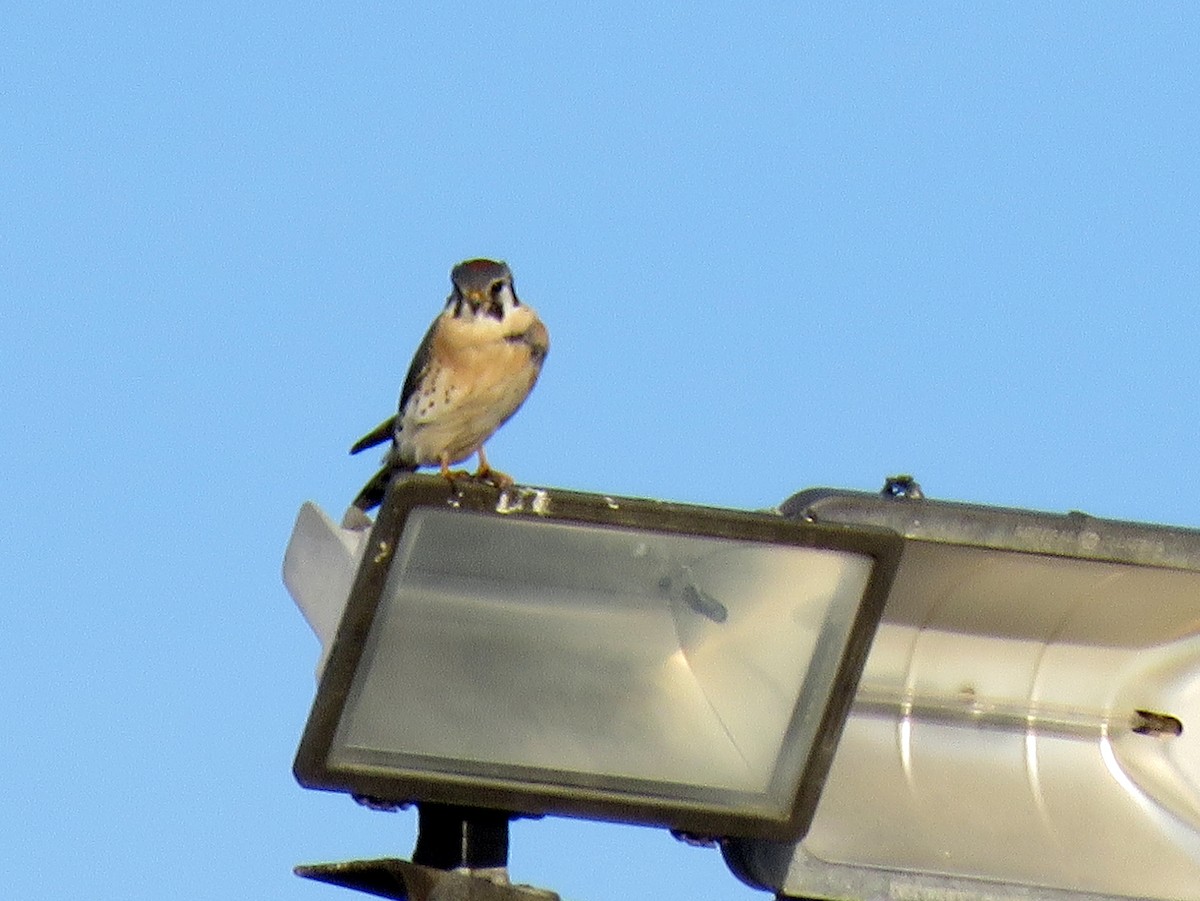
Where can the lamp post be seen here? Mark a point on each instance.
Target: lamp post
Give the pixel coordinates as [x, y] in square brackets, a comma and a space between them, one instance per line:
[461, 855]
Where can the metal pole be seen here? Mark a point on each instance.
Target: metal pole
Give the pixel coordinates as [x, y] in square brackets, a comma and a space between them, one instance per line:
[461, 855]
[452, 838]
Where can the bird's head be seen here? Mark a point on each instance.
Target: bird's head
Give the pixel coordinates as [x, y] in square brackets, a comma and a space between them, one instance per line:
[482, 288]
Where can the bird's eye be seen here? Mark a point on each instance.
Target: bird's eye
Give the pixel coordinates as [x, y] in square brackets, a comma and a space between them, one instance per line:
[497, 289]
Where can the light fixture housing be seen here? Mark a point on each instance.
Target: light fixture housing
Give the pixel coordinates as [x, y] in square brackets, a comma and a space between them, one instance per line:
[551, 652]
[1028, 722]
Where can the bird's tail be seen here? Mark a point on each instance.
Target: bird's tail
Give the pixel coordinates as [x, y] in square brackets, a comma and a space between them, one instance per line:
[371, 495]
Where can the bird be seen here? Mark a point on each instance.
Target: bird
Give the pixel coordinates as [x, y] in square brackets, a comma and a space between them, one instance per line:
[472, 371]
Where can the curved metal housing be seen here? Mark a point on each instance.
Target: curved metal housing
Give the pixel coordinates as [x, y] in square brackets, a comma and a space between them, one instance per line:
[1028, 722]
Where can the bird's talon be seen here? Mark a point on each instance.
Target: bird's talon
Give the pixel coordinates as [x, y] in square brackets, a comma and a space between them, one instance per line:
[494, 477]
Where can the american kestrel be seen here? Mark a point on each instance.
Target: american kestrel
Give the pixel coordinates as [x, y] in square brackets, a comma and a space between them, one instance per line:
[473, 370]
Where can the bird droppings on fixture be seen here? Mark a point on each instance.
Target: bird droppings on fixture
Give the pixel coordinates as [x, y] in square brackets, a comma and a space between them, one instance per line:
[514, 500]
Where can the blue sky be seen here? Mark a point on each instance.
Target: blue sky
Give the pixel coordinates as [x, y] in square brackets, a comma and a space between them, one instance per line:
[775, 247]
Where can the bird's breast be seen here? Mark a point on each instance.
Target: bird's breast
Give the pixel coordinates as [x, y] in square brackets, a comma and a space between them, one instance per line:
[475, 381]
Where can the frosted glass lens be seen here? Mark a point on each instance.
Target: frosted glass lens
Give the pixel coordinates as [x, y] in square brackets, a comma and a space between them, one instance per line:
[637, 663]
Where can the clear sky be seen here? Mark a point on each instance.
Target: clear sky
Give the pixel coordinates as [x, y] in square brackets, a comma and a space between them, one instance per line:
[775, 248]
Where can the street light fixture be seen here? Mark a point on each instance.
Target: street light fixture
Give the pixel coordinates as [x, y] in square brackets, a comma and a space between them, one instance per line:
[549, 652]
[1028, 722]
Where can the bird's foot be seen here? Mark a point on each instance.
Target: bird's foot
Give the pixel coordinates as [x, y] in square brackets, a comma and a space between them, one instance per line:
[493, 476]
[453, 475]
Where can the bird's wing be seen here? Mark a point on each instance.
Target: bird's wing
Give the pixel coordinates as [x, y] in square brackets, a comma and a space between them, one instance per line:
[416, 370]
[419, 366]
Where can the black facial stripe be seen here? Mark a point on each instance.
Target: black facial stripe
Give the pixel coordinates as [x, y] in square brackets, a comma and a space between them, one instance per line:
[495, 309]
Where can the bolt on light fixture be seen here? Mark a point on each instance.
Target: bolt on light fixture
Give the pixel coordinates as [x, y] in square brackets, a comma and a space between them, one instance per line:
[1028, 722]
[550, 652]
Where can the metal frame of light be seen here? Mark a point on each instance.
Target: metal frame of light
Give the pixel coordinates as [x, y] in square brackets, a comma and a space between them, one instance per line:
[314, 766]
